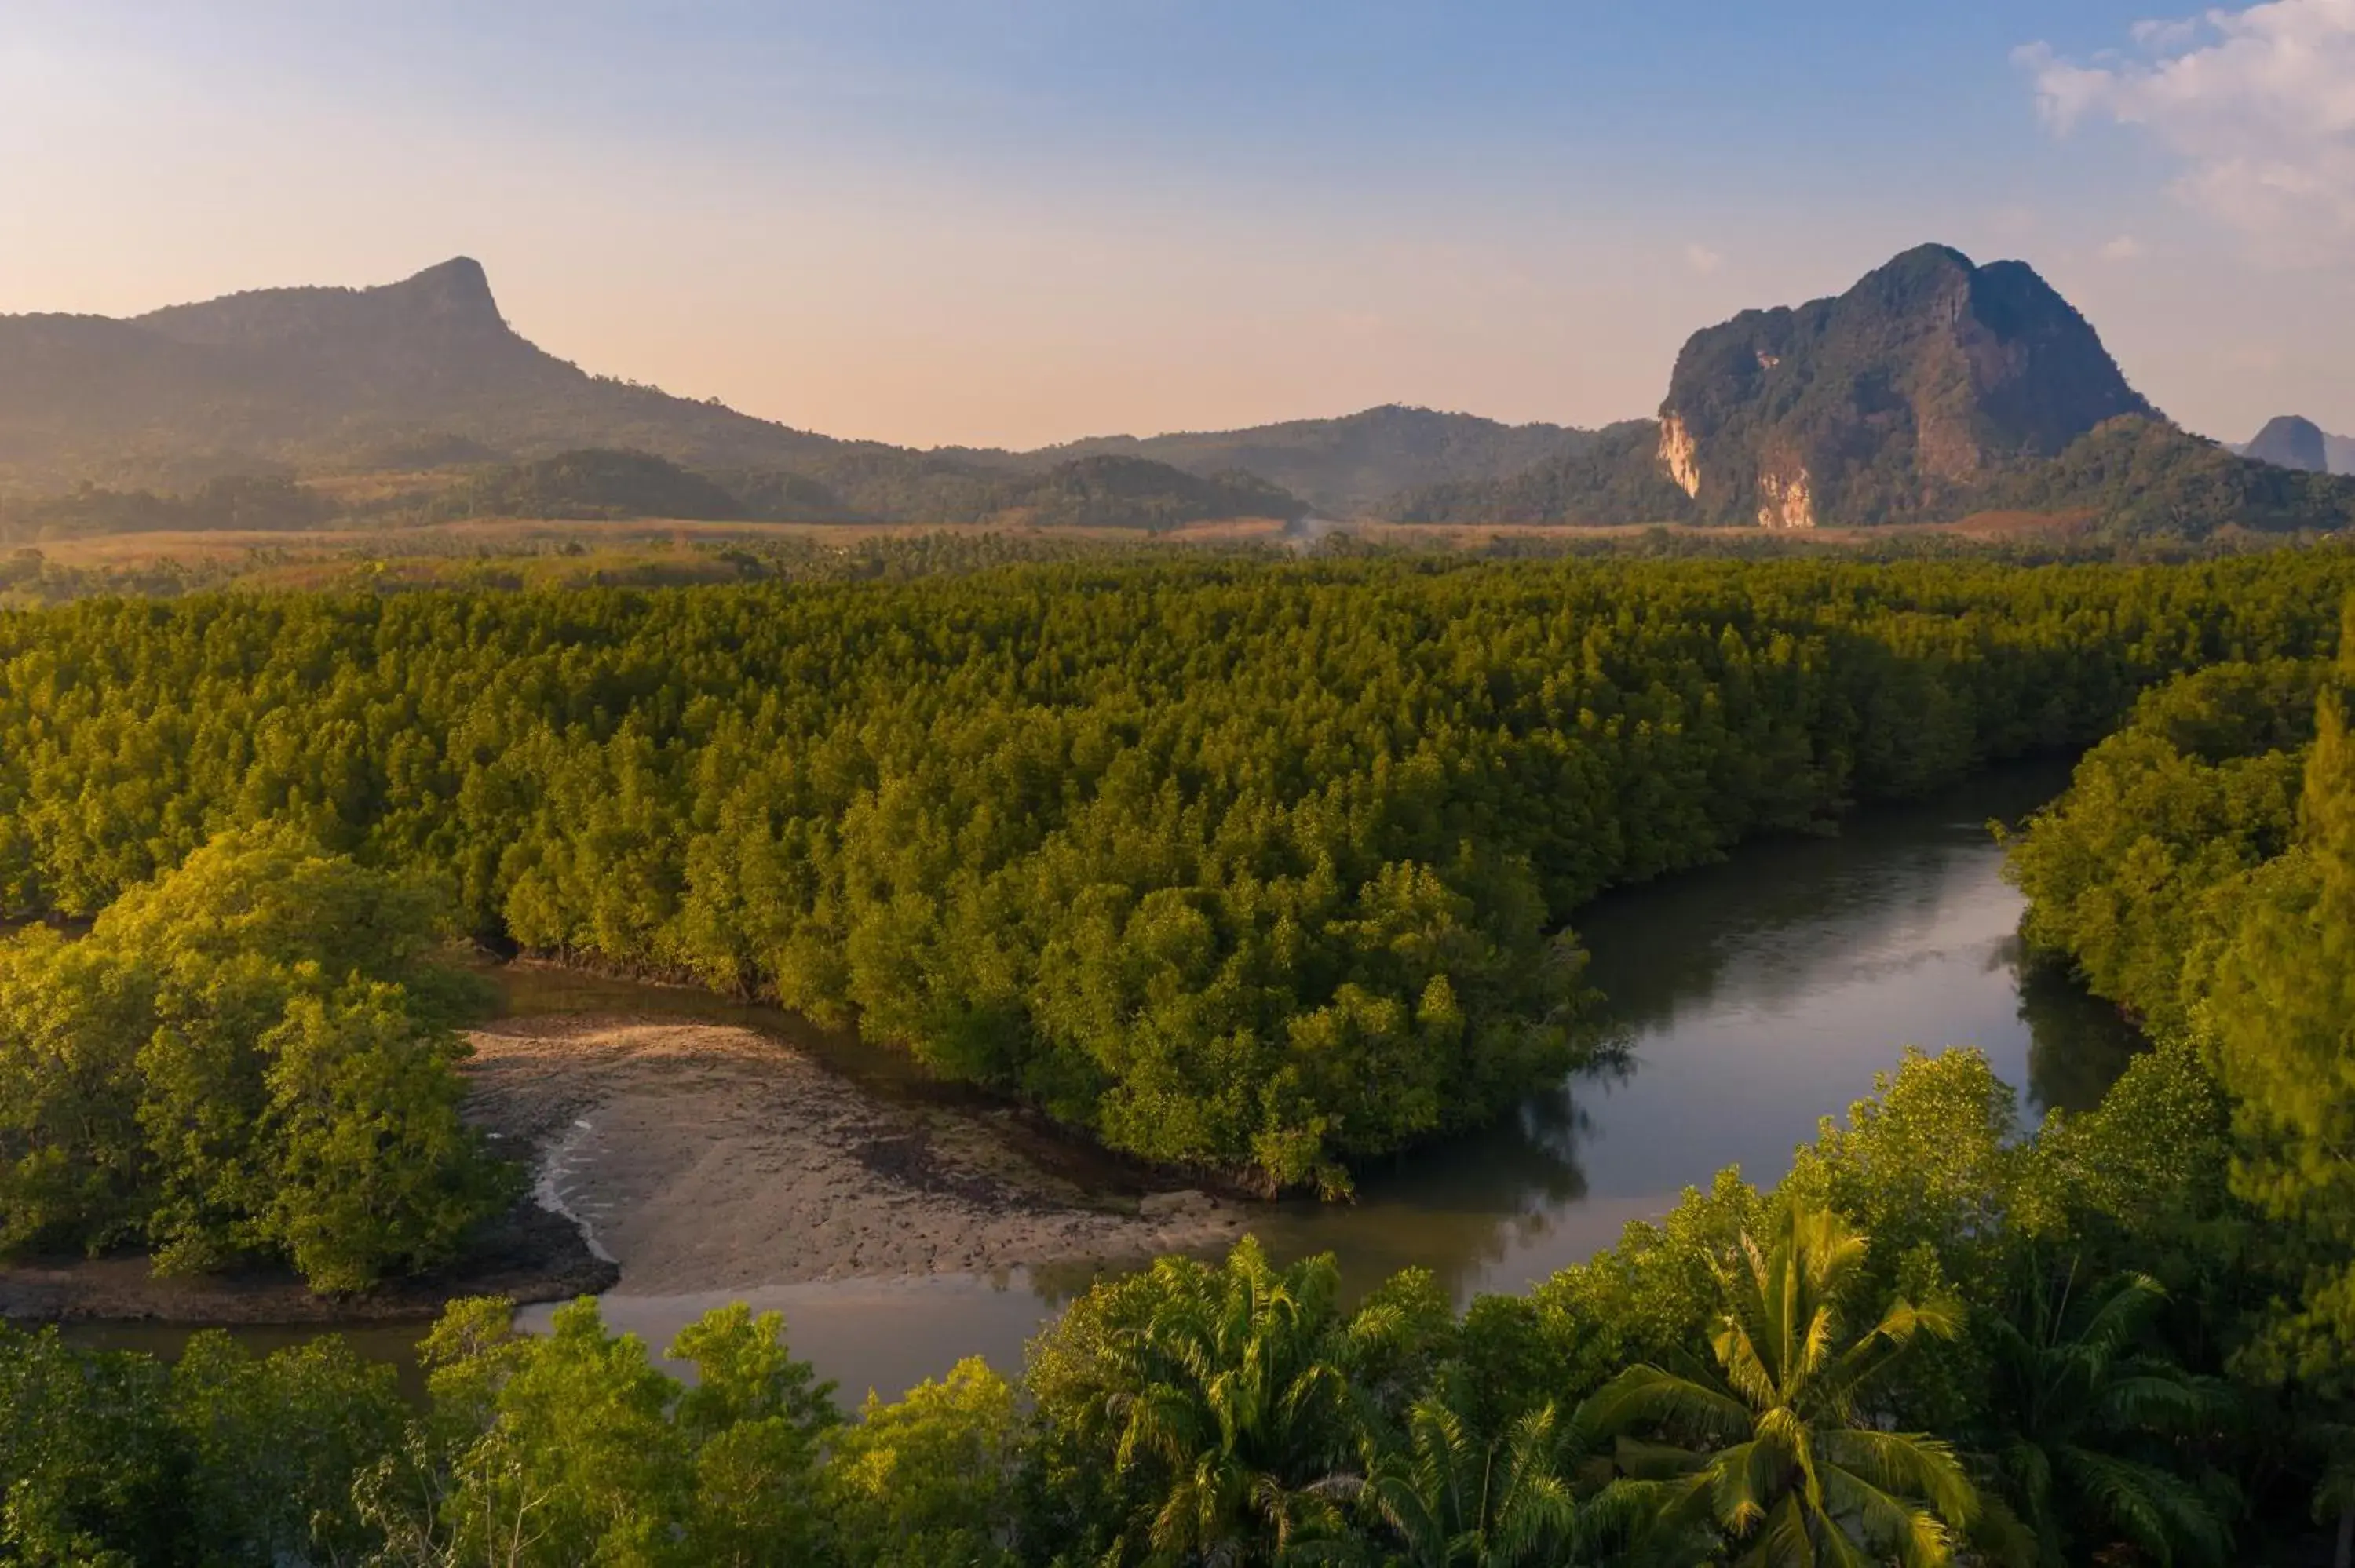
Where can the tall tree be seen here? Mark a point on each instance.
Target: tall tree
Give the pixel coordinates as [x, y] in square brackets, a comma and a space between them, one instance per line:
[1776, 1457]
[2282, 1014]
[1456, 1502]
[2084, 1421]
[1224, 1398]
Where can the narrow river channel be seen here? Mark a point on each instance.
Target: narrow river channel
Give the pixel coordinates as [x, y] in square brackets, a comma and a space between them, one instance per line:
[1751, 999]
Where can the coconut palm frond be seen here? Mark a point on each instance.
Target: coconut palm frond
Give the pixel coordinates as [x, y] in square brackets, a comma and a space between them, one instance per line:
[1909, 1463]
[1649, 1395]
[2154, 1510]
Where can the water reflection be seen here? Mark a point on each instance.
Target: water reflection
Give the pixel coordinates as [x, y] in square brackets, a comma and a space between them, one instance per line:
[1751, 999]
[1755, 998]
[2077, 1044]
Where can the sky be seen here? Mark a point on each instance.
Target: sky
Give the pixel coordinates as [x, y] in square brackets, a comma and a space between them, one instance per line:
[1022, 221]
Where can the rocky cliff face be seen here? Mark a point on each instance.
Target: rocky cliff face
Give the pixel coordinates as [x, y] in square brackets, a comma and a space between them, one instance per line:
[2289, 442]
[1891, 403]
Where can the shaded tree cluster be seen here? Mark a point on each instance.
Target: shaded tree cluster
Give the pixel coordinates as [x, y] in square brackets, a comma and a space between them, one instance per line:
[253, 1057]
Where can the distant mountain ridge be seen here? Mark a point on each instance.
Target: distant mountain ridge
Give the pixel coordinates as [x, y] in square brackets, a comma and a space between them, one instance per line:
[314, 374]
[2288, 434]
[1930, 388]
[2291, 441]
[283, 378]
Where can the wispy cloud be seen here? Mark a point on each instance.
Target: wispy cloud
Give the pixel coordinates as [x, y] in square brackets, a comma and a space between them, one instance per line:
[2259, 103]
[2124, 247]
[1703, 261]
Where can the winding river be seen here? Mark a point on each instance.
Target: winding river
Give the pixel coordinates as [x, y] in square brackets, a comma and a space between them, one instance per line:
[1750, 999]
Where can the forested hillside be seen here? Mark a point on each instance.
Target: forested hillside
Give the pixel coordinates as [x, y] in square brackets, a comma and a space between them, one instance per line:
[1354, 466]
[2145, 479]
[1255, 867]
[1615, 478]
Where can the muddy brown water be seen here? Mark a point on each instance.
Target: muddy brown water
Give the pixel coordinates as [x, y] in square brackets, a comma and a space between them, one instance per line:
[1751, 999]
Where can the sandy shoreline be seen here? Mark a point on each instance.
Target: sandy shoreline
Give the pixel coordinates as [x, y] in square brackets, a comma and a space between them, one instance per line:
[705, 1157]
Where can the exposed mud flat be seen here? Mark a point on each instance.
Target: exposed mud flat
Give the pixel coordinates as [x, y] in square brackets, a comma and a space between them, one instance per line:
[704, 1157]
[670, 1158]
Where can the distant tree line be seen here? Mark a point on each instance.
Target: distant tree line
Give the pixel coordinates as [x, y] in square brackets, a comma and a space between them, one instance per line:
[231, 501]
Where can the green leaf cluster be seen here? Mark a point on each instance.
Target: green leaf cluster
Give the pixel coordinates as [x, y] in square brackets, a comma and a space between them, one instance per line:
[253, 1057]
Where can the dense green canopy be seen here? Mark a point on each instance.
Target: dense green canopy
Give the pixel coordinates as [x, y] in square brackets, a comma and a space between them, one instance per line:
[1241, 864]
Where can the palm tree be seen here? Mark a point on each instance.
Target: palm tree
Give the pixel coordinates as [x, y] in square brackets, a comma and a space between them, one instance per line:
[1235, 1407]
[1457, 1503]
[1771, 1457]
[2072, 1403]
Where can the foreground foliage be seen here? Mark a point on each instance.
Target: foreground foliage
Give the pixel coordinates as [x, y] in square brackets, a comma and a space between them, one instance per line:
[1790, 1462]
[1242, 1413]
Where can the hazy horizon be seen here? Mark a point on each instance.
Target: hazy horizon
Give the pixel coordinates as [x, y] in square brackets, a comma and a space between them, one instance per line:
[933, 225]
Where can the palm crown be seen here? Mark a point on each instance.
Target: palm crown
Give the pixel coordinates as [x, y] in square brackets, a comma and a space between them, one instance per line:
[1773, 1457]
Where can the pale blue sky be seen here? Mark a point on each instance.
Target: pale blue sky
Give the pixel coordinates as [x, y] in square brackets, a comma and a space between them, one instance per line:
[1025, 220]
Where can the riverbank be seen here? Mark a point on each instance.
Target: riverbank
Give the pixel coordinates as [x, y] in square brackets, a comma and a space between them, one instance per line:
[529, 1255]
[673, 1157]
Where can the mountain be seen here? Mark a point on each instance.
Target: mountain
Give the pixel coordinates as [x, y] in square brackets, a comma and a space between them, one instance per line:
[1889, 403]
[1349, 467]
[2337, 452]
[426, 373]
[1931, 389]
[2141, 478]
[2291, 442]
[312, 375]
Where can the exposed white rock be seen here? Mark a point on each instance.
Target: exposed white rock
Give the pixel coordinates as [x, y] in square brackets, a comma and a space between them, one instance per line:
[1790, 501]
[1676, 453]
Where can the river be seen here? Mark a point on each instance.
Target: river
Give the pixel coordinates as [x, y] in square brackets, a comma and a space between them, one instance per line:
[1751, 999]
[1748, 998]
